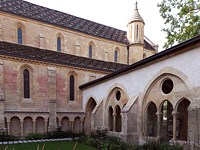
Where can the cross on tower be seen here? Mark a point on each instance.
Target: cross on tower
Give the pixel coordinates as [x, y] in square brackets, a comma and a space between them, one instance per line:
[136, 3]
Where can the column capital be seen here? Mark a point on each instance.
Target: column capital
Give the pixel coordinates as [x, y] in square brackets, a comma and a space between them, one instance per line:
[114, 114]
[174, 113]
[158, 113]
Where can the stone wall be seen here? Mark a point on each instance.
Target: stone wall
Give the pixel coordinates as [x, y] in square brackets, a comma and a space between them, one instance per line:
[42, 35]
[49, 102]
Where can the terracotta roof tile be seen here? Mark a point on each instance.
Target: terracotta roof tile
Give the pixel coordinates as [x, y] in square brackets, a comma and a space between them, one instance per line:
[32, 53]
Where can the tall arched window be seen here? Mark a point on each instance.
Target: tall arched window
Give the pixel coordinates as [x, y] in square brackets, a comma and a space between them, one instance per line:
[137, 32]
[90, 51]
[19, 36]
[116, 56]
[58, 44]
[26, 78]
[72, 88]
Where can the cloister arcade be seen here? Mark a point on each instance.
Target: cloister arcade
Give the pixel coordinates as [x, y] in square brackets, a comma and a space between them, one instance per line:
[165, 110]
[22, 126]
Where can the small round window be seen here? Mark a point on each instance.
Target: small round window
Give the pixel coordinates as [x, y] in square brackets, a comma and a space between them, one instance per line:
[167, 86]
[118, 95]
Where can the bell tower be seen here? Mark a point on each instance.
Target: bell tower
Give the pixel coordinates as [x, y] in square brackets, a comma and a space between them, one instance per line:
[135, 36]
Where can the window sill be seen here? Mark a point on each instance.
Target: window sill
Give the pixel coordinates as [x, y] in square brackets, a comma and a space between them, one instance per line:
[27, 100]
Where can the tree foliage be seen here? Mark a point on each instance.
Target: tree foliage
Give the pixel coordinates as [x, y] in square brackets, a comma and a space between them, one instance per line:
[182, 20]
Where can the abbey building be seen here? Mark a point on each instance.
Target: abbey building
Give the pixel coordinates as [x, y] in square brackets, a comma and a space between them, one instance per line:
[59, 70]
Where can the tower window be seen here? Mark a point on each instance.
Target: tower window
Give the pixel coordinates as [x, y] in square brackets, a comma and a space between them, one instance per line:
[19, 36]
[58, 44]
[72, 88]
[90, 51]
[26, 78]
[137, 32]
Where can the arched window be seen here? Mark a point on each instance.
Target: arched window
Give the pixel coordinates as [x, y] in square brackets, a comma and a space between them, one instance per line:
[26, 78]
[115, 56]
[19, 36]
[137, 32]
[90, 51]
[72, 88]
[58, 44]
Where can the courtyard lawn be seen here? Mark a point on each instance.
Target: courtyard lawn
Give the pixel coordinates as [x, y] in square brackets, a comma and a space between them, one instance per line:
[64, 145]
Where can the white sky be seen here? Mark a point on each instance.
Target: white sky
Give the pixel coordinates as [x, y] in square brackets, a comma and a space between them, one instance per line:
[114, 13]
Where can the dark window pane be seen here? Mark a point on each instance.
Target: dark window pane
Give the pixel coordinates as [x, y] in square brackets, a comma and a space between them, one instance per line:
[26, 84]
[71, 88]
[115, 56]
[19, 33]
[58, 44]
[90, 51]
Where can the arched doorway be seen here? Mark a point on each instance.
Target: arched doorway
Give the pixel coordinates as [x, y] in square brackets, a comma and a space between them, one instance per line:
[40, 125]
[110, 118]
[15, 126]
[118, 119]
[65, 124]
[166, 126]
[182, 120]
[28, 125]
[151, 124]
[88, 121]
[77, 125]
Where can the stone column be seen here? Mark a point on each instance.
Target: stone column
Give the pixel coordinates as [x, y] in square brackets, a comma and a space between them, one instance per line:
[34, 122]
[22, 128]
[45, 125]
[158, 114]
[72, 125]
[52, 98]
[92, 122]
[8, 126]
[1, 33]
[114, 120]
[124, 122]
[2, 120]
[174, 113]
[81, 126]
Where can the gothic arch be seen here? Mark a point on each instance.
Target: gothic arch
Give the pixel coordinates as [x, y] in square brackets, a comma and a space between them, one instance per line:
[114, 88]
[163, 72]
[89, 118]
[116, 99]
[29, 70]
[61, 40]
[73, 86]
[117, 55]
[20, 25]
[91, 49]
[153, 92]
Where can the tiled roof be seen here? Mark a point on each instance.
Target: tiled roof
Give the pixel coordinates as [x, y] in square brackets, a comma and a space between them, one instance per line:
[36, 12]
[180, 48]
[148, 46]
[54, 17]
[32, 53]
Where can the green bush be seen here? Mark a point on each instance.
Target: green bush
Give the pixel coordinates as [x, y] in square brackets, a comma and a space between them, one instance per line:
[5, 137]
[35, 136]
[103, 142]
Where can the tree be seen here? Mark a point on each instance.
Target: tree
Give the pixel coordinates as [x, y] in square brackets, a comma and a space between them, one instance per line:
[182, 19]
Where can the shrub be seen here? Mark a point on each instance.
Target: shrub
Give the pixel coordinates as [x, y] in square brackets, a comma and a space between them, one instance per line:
[5, 137]
[35, 136]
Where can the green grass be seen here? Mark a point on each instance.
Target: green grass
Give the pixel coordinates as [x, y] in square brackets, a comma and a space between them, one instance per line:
[64, 145]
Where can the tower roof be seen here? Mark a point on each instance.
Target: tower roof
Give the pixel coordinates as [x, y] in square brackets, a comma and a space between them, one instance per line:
[136, 15]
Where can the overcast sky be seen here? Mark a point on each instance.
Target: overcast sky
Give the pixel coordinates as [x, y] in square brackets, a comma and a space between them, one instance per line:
[114, 13]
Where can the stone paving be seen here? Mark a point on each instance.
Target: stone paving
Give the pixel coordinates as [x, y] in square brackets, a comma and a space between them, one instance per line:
[31, 141]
